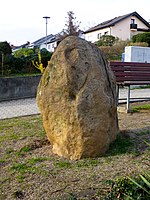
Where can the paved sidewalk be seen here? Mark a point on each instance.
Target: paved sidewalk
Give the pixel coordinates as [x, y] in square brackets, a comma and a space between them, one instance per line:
[134, 93]
[23, 107]
[16, 108]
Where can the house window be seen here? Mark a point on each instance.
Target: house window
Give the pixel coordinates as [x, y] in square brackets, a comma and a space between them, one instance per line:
[132, 21]
[106, 33]
[99, 35]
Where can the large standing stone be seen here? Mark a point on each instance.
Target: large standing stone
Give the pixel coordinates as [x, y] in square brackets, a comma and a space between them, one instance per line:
[77, 100]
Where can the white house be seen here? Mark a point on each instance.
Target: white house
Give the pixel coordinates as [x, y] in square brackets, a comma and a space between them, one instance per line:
[41, 43]
[53, 43]
[123, 27]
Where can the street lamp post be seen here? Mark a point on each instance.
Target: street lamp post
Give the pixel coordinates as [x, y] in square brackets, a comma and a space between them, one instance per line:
[2, 60]
[46, 17]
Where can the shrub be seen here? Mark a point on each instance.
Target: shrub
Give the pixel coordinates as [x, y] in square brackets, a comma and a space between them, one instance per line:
[12, 65]
[24, 52]
[142, 37]
[106, 40]
[127, 188]
[141, 44]
[20, 61]
[5, 48]
[114, 52]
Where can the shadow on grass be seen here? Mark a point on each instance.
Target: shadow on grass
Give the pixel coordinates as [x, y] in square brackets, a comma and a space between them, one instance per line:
[132, 142]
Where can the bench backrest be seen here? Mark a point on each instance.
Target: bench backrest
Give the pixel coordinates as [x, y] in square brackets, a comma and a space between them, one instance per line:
[131, 73]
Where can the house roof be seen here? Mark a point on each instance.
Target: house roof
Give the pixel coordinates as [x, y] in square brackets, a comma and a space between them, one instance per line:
[15, 48]
[115, 20]
[43, 40]
[54, 38]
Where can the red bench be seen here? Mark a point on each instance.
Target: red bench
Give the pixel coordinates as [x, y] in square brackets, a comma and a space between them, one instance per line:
[130, 73]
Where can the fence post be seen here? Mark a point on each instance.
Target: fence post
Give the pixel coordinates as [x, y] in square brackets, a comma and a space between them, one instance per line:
[117, 94]
[128, 99]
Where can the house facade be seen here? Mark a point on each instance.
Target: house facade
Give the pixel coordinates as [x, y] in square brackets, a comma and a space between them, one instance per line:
[41, 43]
[123, 27]
[53, 43]
[50, 43]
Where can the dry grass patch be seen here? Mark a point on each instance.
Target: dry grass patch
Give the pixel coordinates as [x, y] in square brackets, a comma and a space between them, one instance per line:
[29, 170]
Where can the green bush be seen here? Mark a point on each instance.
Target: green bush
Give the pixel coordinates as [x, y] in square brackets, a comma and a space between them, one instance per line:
[12, 65]
[106, 40]
[127, 188]
[142, 37]
[24, 52]
[46, 56]
[19, 62]
[5, 48]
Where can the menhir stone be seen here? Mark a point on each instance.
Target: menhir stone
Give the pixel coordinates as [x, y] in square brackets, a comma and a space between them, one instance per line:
[77, 99]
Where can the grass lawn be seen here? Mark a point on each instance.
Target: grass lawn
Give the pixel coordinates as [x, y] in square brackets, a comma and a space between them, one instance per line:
[29, 170]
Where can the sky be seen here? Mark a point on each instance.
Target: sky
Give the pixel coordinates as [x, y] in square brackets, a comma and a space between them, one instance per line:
[22, 20]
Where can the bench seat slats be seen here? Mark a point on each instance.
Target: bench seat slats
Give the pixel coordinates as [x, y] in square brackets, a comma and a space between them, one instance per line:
[136, 64]
[132, 74]
[125, 68]
[132, 78]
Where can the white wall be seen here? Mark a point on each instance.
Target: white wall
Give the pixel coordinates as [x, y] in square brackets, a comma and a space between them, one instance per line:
[93, 36]
[137, 54]
[123, 31]
[51, 46]
[43, 46]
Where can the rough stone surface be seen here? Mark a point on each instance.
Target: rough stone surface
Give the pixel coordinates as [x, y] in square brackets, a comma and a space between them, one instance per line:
[77, 99]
